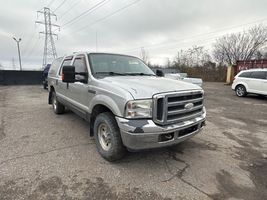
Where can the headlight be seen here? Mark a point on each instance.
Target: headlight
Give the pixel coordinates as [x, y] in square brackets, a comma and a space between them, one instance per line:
[139, 109]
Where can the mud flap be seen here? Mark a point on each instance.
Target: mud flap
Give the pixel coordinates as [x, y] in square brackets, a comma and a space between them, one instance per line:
[50, 98]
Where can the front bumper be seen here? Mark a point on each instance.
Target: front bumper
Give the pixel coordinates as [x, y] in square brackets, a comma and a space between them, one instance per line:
[139, 134]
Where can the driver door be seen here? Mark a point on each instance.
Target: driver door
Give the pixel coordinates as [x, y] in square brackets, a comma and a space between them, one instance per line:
[79, 90]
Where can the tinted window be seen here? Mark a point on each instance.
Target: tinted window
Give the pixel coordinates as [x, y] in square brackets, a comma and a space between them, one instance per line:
[54, 67]
[80, 66]
[105, 63]
[258, 75]
[245, 75]
[65, 63]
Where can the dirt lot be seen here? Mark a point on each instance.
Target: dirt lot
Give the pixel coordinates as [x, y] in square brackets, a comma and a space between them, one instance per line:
[44, 156]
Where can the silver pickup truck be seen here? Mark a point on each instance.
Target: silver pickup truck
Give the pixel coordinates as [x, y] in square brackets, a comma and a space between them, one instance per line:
[128, 107]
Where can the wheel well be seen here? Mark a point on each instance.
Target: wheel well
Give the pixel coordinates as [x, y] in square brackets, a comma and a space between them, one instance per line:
[240, 85]
[96, 111]
[50, 95]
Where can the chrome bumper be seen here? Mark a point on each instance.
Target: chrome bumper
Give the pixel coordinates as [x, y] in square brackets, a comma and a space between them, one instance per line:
[145, 134]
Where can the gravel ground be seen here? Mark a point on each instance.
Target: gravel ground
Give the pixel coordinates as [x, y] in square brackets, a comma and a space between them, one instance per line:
[48, 156]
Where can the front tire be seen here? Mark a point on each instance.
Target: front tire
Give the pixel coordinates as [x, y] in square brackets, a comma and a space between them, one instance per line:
[240, 91]
[58, 107]
[108, 138]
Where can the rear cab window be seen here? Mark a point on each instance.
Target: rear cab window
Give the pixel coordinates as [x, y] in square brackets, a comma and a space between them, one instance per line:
[54, 67]
[258, 75]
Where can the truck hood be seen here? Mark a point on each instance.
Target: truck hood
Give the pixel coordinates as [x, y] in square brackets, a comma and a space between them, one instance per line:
[142, 87]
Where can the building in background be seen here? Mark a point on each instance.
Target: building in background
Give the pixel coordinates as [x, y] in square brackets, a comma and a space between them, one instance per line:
[251, 64]
[241, 65]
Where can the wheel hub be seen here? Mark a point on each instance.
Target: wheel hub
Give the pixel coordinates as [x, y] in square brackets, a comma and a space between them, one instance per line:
[104, 136]
[240, 91]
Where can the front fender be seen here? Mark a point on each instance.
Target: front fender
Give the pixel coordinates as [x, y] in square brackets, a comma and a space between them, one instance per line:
[108, 102]
[244, 84]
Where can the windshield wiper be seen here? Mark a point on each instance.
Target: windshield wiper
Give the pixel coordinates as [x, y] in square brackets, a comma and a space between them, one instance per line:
[110, 73]
[139, 74]
[124, 74]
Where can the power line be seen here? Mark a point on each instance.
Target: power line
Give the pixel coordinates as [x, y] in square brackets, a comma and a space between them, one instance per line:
[194, 36]
[71, 7]
[62, 3]
[182, 44]
[37, 46]
[28, 42]
[199, 42]
[52, 1]
[93, 8]
[32, 49]
[109, 15]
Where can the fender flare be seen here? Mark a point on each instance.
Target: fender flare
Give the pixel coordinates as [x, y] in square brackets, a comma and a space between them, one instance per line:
[105, 101]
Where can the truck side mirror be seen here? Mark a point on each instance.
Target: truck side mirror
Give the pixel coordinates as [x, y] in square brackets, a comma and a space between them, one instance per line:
[159, 73]
[68, 74]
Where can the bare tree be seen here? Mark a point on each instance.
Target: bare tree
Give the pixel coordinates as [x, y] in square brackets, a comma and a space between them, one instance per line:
[195, 56]
[240, 46]
[144, 55]
[264, 53]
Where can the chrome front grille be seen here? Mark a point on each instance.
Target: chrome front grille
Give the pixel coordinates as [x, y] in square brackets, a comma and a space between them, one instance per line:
[176, 107]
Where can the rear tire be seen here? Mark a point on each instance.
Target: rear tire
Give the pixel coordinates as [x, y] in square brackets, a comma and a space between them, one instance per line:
[240, 91]
[108, 138]
[58, 107]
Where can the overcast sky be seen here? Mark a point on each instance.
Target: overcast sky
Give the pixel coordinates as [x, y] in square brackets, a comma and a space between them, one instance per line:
[161, 27]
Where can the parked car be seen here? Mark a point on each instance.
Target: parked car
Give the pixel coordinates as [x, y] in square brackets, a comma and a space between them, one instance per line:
[183, 77]
[252, 81]
[125, 103]
[45, 74]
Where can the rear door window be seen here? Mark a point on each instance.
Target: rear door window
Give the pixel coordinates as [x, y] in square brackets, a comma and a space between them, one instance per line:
[54, 67]
[258, 75]
[245, 75]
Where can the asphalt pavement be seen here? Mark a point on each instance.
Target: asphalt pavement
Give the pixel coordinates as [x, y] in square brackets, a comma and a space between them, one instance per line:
[48, 156]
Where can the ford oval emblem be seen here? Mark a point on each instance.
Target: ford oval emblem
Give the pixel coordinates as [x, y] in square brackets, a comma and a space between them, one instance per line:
[188, 106]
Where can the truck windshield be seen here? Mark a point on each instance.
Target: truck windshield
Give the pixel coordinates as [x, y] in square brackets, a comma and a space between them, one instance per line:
[118, 65]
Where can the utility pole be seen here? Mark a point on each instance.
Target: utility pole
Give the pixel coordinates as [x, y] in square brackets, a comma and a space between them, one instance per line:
[49, 45]
[18, 41]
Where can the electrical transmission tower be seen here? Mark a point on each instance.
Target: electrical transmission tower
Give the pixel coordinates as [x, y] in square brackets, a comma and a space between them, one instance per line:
[49, 45]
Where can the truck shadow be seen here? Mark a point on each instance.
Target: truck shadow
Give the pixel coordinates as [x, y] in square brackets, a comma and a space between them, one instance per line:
[186, 148]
